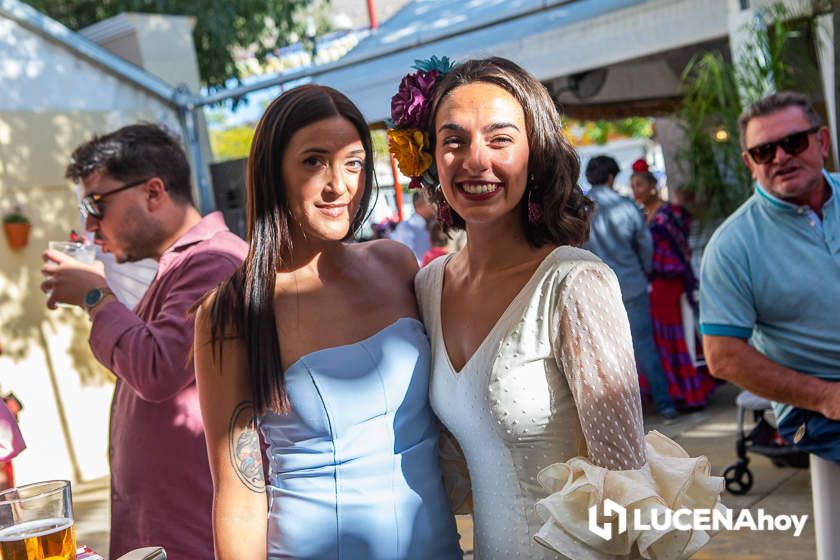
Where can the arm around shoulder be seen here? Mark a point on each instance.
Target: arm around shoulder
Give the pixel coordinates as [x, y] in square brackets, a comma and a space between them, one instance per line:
[233, 445]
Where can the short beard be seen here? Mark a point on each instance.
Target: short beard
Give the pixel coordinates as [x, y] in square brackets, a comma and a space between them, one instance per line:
[143, 236]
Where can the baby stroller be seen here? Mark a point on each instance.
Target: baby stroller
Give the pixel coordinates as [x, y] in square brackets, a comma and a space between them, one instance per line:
[763, 439]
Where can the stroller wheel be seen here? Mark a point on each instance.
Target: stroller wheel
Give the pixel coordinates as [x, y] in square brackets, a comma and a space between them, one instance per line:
[738, 479]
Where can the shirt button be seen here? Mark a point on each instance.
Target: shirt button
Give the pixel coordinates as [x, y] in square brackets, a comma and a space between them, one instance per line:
[800, 210]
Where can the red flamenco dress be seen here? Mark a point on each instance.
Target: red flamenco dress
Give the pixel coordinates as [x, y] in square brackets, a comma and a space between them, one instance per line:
[689, 381]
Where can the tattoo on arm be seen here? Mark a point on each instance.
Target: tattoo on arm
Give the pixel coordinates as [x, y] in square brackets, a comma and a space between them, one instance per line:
[244, 447]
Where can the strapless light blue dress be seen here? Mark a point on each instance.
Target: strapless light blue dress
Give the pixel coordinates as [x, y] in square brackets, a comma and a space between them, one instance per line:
[353, 467]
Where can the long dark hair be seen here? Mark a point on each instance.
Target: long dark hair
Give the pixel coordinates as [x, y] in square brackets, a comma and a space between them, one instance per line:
[553, 165]
[244, 305]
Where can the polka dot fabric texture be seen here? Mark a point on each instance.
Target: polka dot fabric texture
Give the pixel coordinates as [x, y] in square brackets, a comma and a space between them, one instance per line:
[596, 354]
[552, 385]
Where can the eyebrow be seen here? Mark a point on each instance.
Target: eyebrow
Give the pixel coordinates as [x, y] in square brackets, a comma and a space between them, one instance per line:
[321, 151]
[489, 128]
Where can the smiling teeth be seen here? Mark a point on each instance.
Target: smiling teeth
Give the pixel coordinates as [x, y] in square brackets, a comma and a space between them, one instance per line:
[479, 189]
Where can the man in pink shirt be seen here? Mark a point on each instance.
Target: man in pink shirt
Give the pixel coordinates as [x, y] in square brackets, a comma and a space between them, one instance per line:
[137, 199]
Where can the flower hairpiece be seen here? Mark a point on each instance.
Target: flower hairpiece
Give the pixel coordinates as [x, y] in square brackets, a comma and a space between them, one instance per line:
[408, 141]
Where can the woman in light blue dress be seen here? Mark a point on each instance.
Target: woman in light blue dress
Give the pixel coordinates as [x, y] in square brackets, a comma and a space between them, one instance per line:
[311, 355]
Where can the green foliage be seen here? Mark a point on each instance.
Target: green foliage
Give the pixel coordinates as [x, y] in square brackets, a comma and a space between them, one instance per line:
[16, 216]
[602, 131]
[231, 143]
[717, 180]
[221, 26]
[380, 145]
[716, 91]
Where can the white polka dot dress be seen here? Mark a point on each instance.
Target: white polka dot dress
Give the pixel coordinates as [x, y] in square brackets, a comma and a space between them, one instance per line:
[554, 379]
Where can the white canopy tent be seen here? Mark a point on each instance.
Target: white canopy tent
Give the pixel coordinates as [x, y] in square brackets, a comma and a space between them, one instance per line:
[553, 40]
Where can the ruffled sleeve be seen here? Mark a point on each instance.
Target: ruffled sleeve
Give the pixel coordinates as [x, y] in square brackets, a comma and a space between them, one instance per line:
[594, 349]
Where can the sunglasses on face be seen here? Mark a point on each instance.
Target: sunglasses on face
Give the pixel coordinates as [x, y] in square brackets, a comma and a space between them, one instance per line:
[793, 144]
[92, 204]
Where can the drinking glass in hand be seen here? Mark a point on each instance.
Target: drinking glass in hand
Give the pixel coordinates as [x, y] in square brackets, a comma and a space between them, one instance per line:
[36, 522]
[79, 251]
[83, 253]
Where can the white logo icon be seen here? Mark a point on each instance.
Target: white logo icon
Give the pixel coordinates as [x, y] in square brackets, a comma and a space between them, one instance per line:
[610, 508]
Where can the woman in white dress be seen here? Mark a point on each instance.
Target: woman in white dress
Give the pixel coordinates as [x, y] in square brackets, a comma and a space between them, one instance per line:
[533, 370]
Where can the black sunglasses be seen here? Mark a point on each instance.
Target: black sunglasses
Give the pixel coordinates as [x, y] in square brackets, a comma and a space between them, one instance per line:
[793, 144]
[91, 204]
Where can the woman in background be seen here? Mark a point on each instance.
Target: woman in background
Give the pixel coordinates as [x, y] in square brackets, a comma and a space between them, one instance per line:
[439, 242]
[673, 287]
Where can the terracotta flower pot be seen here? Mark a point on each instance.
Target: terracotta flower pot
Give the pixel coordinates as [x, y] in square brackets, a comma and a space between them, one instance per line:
[17, 233]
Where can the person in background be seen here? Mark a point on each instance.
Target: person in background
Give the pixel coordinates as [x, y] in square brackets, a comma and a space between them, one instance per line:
[414, 231]
[11, 443]
[672, 285]
[137, 199]
[439, 242]
[769, 290]
[619, 236]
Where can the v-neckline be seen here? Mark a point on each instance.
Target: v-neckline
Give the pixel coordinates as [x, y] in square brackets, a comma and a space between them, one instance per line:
[496, 326]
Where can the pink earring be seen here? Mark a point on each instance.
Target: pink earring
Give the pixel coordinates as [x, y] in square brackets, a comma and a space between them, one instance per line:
[535, 213]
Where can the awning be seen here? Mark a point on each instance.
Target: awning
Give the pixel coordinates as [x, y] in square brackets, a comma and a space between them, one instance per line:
[550, 39]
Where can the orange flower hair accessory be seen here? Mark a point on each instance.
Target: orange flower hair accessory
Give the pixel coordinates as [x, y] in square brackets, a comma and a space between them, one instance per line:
[410, 148]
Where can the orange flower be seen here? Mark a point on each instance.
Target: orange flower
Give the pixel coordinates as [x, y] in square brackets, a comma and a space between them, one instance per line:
[410, 147]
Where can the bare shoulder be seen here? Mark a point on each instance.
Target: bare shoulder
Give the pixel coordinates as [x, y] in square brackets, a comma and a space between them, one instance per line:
[393, 255]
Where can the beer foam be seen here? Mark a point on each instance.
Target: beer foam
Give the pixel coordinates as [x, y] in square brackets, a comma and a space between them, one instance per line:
[36, 528]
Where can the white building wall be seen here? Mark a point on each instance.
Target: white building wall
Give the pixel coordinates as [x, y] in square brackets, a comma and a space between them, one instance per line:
[52, 100]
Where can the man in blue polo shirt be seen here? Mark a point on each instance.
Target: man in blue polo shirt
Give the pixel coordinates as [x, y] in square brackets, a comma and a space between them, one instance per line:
[770, 279]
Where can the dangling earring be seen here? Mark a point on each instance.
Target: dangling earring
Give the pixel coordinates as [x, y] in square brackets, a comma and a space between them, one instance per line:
[535, 213]
[444, 213]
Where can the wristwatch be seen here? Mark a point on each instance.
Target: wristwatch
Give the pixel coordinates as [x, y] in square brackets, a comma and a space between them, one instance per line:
[95, 296]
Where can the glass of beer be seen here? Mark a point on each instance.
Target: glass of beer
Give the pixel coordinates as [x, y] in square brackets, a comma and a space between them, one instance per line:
[36, 522]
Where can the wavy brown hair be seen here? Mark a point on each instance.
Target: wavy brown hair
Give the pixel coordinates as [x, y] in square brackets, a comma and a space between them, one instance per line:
[244, 305]
[553, 163]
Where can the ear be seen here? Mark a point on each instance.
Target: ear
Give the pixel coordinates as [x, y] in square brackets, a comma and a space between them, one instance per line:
[749, 163]
[156, 194]
[825, 141]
